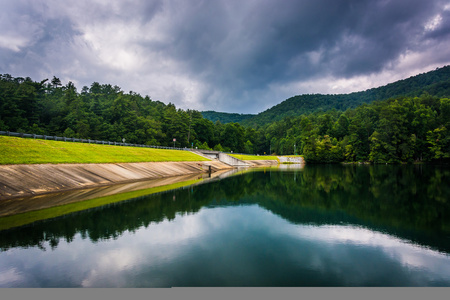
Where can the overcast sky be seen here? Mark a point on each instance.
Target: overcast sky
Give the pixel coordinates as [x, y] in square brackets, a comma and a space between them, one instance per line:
[225, 55]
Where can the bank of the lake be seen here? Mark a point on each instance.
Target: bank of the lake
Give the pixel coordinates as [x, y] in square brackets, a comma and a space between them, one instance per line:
[26, 210]
[31, 167]
[27, 180]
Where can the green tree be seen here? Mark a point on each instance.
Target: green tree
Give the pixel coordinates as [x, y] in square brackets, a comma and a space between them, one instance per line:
[248, 147]
[56, 82]
[439, 141]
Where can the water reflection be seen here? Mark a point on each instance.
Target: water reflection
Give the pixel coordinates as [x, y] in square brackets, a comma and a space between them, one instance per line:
[320, 226]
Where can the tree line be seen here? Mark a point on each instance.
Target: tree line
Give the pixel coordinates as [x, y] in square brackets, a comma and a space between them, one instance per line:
[395, 130]
[399, 129]
[105, 112]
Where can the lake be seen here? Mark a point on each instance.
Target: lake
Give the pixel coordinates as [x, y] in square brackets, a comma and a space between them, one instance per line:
[324, 225]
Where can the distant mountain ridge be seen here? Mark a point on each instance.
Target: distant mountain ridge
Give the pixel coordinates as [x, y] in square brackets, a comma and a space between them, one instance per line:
[225, 117]
[436, 83]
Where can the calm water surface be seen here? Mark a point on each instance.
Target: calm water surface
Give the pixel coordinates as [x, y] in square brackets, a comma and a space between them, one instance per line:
[311, 226]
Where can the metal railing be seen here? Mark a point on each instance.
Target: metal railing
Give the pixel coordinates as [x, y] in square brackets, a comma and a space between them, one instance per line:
[75, 140]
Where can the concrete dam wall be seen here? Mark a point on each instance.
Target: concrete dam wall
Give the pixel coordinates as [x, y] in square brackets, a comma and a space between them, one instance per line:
[27, 180]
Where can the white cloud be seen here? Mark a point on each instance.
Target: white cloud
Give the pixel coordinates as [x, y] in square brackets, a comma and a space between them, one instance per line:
[434, 23]
[112, 261]
[9, 276]
[409, 255]
[14, 43]
[220, 55]
[115, 47]
[160, 252]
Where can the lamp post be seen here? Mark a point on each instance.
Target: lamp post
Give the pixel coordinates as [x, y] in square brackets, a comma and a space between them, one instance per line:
[294, 150]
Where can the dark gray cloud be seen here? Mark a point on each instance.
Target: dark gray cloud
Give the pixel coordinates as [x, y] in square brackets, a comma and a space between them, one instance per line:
[228, 55]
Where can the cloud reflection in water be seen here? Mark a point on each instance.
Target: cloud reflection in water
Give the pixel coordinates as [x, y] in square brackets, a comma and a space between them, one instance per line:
[229, 246]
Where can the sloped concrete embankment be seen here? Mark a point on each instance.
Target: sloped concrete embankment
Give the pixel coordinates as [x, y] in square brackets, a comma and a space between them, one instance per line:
[232, 161]
[14, 206]
[26, 180]
[263, 162]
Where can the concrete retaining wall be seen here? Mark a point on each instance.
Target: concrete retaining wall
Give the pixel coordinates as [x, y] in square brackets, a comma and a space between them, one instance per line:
[26, 180]
[293, 160]
[232, 161]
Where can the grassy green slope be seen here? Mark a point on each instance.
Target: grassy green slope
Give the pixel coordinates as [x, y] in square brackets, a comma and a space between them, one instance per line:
[30, 151]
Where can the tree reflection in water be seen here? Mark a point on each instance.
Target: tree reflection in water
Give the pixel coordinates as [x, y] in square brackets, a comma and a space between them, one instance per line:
[410, 202]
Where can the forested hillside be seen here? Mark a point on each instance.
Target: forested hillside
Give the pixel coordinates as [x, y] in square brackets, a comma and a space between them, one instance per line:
[398, 129]
[436, 83]
[105, 112]
[225, 117]
[401, 129]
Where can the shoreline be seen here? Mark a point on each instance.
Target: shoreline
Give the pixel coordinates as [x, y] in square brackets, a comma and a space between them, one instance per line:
[19, 181]
[29, 200]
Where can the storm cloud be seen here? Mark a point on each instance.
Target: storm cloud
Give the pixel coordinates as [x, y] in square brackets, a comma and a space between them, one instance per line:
[225, 55]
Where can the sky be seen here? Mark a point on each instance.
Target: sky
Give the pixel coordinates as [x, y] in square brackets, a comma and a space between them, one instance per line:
[239, 56]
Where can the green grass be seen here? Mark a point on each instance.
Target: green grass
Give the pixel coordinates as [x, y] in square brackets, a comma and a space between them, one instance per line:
[253, 157]
[57, 211]
[30, 151]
